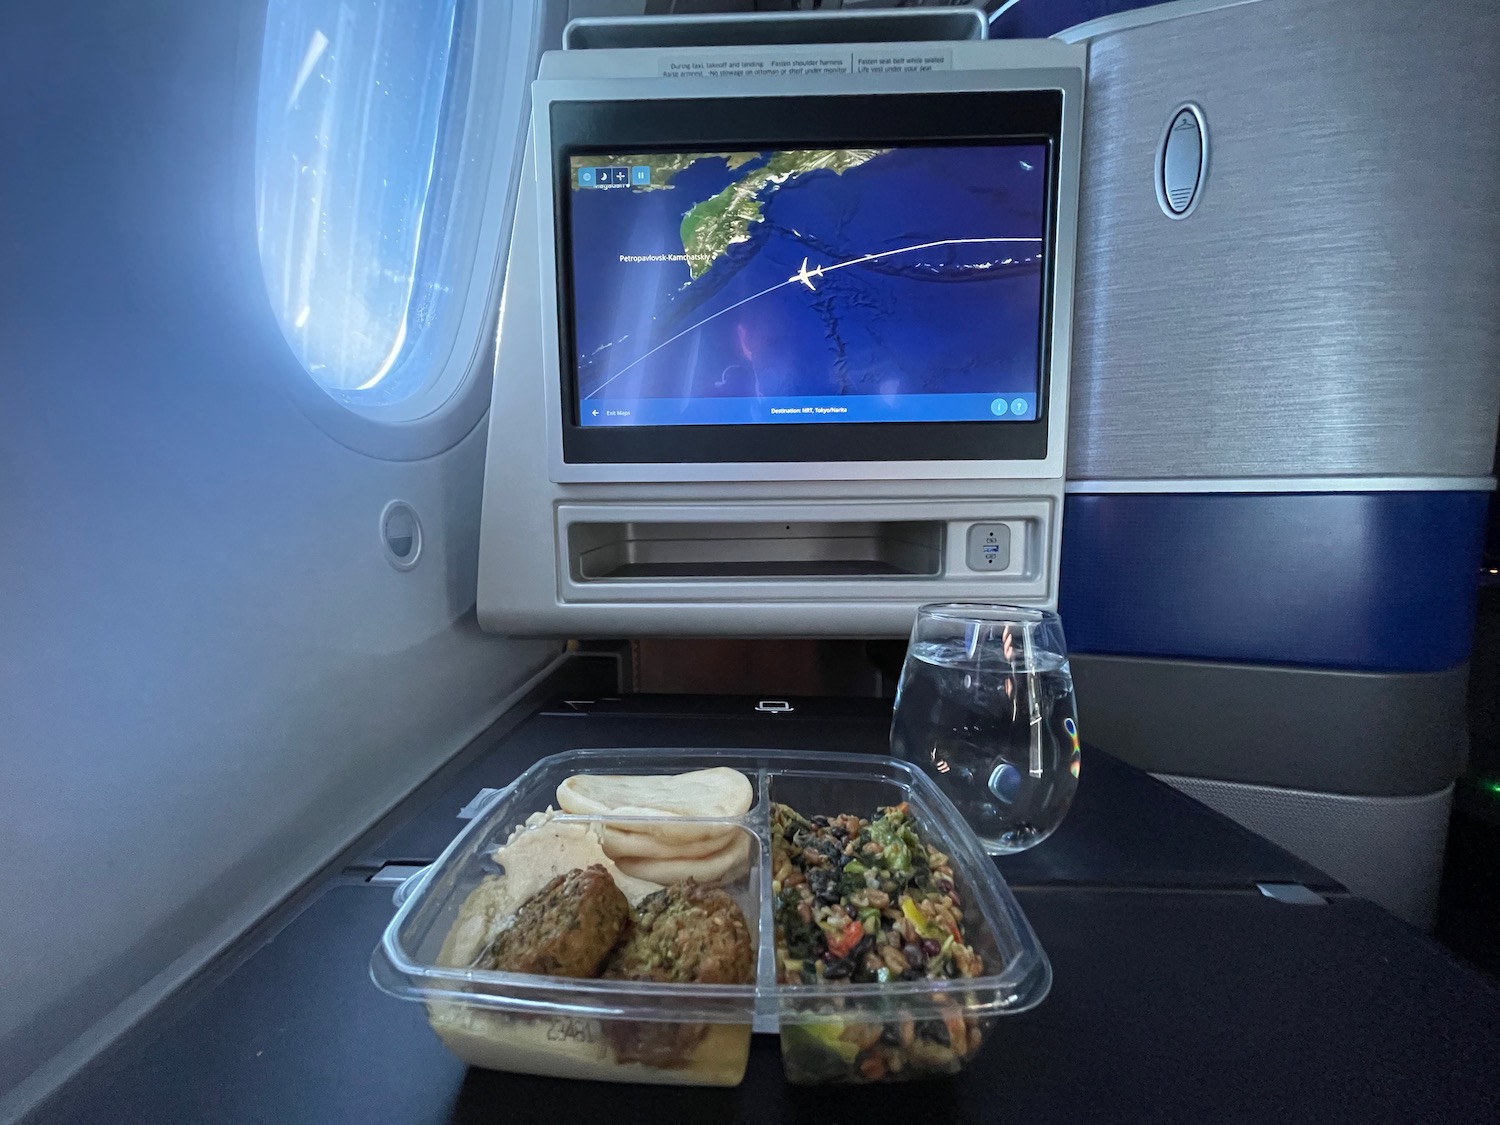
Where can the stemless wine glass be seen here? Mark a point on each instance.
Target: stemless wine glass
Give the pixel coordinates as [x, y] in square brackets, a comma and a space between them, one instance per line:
[986, 707]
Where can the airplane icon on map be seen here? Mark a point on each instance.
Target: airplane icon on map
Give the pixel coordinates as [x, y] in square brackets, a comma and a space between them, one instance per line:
[806, 275]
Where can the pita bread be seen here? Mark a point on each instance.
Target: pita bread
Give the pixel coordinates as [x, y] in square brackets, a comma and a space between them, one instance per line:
[720, 791]
[683, 837]
[726, 863]
[666, 841]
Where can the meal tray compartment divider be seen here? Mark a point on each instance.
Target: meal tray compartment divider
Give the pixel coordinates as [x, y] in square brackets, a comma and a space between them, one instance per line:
[759, 818]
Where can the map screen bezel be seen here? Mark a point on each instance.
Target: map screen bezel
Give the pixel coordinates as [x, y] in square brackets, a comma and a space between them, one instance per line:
[582, 129]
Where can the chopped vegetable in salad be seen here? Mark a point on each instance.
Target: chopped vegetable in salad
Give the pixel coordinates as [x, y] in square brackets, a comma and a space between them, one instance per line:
[864, 901]
[867, 901]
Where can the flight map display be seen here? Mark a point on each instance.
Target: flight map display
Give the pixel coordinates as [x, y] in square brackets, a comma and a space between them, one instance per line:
[898, 284]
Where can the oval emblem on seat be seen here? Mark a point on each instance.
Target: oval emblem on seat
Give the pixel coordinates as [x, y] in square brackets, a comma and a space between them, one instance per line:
[1182, 162]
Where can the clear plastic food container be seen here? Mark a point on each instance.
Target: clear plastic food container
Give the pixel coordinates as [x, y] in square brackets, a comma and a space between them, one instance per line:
[699, 1034]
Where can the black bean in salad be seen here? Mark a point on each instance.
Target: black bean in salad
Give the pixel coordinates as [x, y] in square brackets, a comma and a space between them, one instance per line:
[883, 884]
[866, 901]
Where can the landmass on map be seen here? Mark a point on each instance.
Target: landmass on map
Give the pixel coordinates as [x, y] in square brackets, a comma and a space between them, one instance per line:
[716, 224]
[711, 226]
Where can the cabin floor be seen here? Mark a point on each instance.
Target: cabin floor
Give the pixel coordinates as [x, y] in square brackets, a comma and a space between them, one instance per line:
[1468, 917]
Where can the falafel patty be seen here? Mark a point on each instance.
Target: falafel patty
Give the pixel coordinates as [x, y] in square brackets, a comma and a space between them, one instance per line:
[686, 933]
[565, 930]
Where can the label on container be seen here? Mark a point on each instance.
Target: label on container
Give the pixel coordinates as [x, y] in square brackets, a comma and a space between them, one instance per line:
[565, 1029]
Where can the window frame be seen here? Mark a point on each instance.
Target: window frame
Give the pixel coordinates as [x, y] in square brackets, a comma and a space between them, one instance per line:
[482, 180]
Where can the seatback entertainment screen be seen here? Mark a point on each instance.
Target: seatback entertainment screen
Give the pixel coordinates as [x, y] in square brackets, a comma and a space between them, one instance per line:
[802, 285]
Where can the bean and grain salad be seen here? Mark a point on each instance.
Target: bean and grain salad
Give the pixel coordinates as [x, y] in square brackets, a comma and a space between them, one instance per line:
[867, 901]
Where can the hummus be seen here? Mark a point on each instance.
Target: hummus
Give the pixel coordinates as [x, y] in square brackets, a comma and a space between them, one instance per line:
[536, 852]
[568, 1047]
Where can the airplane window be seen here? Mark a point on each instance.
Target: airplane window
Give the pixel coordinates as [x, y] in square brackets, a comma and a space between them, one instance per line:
[384, 179]
[351, 181]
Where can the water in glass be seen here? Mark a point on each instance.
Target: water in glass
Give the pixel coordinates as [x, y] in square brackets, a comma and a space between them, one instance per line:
[986, 707]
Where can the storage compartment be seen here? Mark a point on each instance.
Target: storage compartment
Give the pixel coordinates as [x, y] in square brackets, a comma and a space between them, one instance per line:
[912, 1020]
[875, 1026]
[656, 1039]
[601, 552]
[568, 1026]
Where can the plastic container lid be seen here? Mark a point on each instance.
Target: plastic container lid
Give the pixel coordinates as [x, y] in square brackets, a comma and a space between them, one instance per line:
[1016, 973]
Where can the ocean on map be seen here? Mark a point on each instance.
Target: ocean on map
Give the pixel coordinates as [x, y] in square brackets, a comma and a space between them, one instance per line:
[957, 318]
